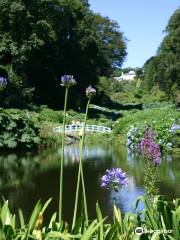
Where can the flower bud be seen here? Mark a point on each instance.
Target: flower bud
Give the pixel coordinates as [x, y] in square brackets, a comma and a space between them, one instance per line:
[3, 82]
[68, 81]
[81, 132]
[39, 221]
[90, 92]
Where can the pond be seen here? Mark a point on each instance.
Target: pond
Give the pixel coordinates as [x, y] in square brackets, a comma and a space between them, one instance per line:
[26, 178]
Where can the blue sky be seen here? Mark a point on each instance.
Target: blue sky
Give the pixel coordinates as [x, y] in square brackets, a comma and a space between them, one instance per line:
[142, 22]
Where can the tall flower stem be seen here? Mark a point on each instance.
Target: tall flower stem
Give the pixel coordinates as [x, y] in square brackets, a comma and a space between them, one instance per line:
[62, 156]
[114, 197]
[150, 180]
[114, 203]
[81, 175]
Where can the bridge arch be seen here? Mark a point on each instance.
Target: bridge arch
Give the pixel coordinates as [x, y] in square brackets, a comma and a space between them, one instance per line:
[76, 128]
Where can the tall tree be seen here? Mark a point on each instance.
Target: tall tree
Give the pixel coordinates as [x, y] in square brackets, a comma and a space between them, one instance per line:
[164, 68]
[43, 39]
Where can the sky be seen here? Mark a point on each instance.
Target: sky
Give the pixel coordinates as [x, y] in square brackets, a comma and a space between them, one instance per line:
[143, 23]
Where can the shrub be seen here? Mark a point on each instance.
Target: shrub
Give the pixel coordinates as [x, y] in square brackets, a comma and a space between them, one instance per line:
[161, 120]
[49, 115]
[177, 98]
[127, 97]
[18, 129]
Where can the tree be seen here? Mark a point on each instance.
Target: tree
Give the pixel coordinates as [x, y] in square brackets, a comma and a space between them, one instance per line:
[164, 68]
[41, 40]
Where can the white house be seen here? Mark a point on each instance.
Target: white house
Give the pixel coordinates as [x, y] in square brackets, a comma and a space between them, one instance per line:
[126, 76]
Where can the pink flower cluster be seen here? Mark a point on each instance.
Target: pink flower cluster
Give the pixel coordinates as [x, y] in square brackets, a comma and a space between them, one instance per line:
[149, 149]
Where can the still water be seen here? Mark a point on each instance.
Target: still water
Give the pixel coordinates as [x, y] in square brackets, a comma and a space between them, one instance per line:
[26, 178]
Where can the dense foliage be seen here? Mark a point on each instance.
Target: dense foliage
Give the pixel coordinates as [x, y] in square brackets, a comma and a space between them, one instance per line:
[22, 129]
[42, 40]
[159, 220]
[164, 68]
[18, 129]
[128, 93]
[161, 120]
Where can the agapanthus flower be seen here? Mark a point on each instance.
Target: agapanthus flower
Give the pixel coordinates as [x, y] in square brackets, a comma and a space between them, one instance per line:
[3, 82]
[90, 92]
[68, 80]
[114, 178]
[175, 127]
[150, 149]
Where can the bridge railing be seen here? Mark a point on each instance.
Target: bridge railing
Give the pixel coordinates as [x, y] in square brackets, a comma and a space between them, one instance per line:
[88, 128]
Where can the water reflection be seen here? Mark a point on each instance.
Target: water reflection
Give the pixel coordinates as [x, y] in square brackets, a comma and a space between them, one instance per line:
[34, 176]
[15, 168]
[72, 153]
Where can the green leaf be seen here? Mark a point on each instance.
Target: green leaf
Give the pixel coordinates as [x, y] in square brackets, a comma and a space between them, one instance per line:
[112, 232]
[155, 236]
[21, 217]
[33, 219]
[176, 225]
[100, 219]
[91, 229]
[5, 215]
[46, 205]
[63, 236]
[53, 219]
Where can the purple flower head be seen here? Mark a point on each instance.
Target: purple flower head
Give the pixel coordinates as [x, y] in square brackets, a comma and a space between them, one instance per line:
[157, 154]
[149, 149]
[68, 81]
[114, 178]
[90, 92]
[3, 82]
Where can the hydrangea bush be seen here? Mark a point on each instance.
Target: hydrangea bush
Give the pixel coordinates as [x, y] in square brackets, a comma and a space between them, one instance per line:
[133, 137]
[165, 132]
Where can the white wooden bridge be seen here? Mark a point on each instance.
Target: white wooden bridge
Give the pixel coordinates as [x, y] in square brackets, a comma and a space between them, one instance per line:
[77, 128]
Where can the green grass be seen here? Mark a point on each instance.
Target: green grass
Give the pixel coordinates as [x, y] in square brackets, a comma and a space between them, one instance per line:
[97, 138]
